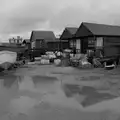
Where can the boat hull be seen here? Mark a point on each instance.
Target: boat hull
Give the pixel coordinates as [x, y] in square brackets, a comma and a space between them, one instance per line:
[7, 59]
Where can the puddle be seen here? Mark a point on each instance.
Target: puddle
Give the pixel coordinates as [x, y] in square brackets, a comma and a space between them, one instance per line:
[43, 97]
[71, 90]
[96, 98]
[39, 86]
[23, 105]
[38, 79]
[90, 78]
[26, 84]
[8, 80]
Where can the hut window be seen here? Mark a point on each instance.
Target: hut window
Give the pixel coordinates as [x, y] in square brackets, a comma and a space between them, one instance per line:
[72, 43]
[99, 42]
[78, 44]
[91, 42]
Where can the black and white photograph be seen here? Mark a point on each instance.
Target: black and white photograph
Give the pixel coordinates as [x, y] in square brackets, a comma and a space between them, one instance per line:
[59, 59]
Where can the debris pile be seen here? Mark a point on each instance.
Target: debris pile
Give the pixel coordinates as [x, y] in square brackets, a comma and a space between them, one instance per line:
[57, 62]
[81, 61]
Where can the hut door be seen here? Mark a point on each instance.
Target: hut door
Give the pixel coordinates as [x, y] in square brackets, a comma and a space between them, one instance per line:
[78, 45]
[71, 44]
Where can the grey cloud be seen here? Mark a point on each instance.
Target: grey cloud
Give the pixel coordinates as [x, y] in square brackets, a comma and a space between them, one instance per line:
[73, 16]
[34, 14]
[24, 24]
[26, 18]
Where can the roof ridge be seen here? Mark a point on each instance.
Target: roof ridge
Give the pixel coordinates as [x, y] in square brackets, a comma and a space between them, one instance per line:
[101, 24]
[42, 31]
[72, 27]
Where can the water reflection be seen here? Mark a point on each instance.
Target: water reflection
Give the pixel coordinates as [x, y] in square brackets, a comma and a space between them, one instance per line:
[26, 84]
[28, 98]
[43, 79]
[42, 96]
[92, 96]
[23, 105]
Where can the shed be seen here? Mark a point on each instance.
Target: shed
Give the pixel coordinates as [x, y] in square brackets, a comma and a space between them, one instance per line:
[40, 38]
[57, 45]
[68, 34]
[39, 41]
[99, 30]
[99, 36]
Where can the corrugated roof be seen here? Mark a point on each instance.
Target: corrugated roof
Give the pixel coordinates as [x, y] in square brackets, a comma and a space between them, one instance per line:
[46, 35]
[68, 33]
[100, 29]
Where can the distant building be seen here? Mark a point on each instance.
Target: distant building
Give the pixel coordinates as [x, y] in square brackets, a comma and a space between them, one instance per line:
[16, 41]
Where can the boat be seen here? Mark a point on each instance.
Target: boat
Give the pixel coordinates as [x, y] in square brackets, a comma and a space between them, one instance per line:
[7, 58]
[109, 66]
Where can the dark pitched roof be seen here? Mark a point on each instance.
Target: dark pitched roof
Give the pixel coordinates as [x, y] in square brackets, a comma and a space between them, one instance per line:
[46, 35]
[98, 29]
[68, 33]
[26, 40]
[72, 30]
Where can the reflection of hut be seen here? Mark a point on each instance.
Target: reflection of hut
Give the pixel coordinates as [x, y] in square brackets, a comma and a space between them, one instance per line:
[17, 40]
[9, 80]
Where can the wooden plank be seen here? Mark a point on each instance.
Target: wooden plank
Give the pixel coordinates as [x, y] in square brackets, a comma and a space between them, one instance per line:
[111, 51]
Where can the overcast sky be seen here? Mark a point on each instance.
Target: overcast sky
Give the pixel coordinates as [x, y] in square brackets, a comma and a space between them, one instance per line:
[20, 17]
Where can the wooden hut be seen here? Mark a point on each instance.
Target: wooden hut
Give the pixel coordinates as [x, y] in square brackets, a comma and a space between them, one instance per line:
[105, 39]
[39, 41]
[67, 35]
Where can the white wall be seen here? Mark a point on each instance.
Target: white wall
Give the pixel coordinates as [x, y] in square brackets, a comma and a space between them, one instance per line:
[33, 44]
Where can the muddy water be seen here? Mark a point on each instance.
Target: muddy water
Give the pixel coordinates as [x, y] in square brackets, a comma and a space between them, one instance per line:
[28, 95]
